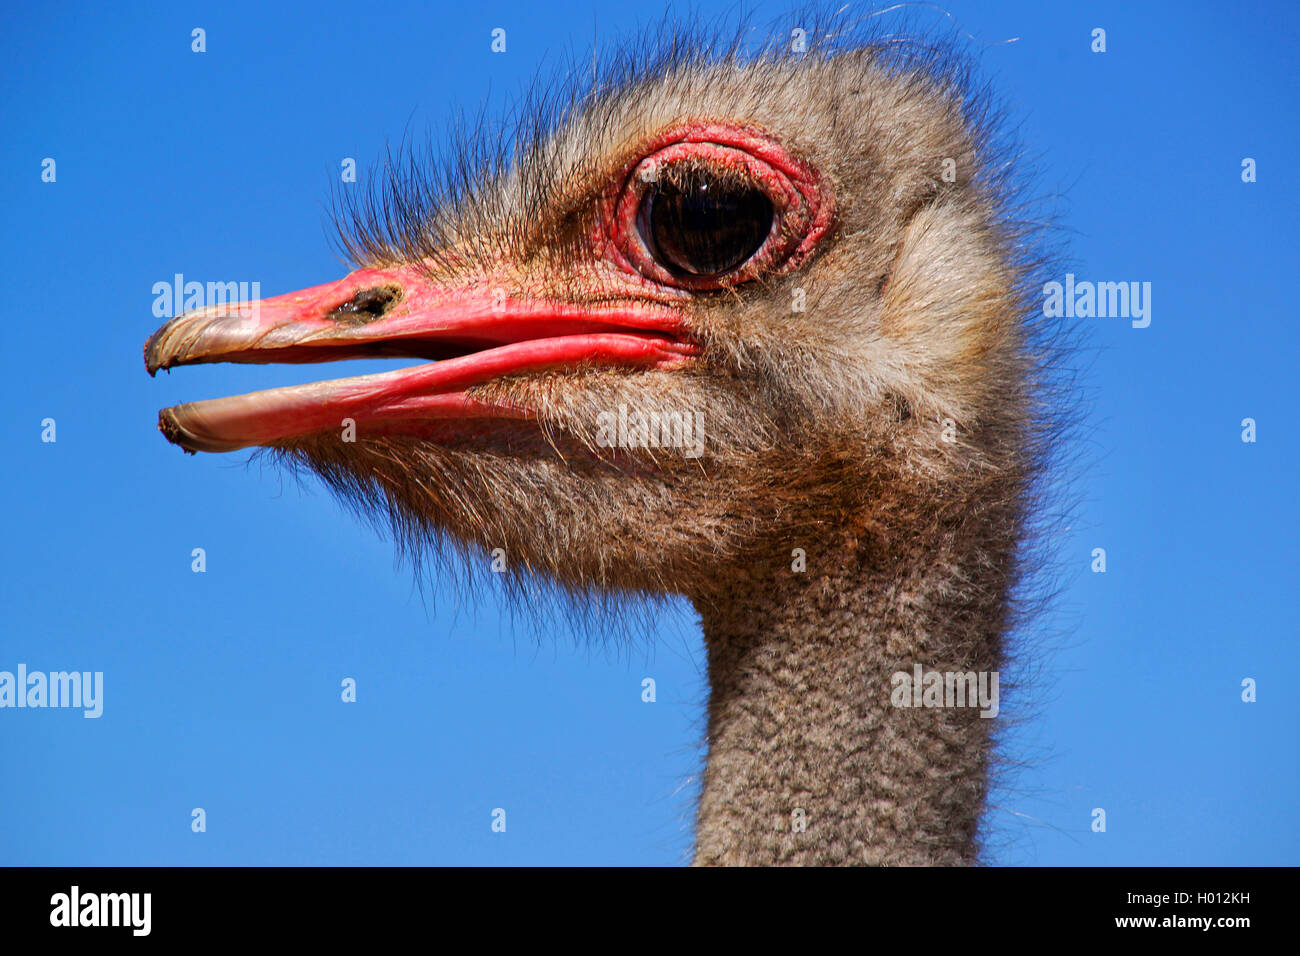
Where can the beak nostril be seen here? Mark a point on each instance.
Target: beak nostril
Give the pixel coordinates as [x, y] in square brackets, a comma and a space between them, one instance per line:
[366, 305]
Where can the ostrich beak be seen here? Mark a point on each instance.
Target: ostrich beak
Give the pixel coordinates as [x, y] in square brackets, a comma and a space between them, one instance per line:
[474, 332]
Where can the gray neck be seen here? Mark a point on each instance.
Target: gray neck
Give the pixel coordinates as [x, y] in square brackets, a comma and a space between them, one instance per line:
[809, 760]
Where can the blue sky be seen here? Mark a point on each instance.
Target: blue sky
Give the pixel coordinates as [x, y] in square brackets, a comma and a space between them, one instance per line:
[222, 688]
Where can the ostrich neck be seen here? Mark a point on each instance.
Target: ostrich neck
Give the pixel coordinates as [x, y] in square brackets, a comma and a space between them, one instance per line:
[809, 761]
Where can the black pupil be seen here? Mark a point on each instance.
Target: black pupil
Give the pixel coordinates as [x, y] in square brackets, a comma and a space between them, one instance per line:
[699, 225]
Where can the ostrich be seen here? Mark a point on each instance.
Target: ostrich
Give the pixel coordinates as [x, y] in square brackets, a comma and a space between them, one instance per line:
[807, 264]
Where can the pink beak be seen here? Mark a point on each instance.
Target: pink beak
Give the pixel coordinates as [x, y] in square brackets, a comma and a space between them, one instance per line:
[475, 333]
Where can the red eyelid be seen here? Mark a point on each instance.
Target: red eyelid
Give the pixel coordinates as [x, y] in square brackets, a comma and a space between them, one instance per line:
[803, 208]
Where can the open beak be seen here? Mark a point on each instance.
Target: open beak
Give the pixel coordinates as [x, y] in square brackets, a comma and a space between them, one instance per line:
[474, 332]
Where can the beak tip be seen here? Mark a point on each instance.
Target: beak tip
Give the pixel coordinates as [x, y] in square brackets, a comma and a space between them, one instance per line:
[191, 439]
[171, 429]
[151, 362]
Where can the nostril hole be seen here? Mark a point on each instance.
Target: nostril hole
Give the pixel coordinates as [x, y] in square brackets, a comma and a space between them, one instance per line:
[367, 305]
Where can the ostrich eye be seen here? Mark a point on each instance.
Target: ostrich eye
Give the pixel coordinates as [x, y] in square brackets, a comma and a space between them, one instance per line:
[701, 225]
[709, 206]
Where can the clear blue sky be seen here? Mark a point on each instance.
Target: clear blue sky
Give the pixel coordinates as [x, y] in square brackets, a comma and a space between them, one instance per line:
[222, 688]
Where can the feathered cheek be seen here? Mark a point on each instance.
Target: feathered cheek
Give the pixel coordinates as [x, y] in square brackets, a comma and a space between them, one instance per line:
[710, 206]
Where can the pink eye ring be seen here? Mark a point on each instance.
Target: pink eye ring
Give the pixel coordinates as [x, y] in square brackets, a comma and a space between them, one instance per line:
[711, 206]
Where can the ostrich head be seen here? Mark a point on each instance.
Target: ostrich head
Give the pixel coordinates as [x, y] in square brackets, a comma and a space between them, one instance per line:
[743, 328]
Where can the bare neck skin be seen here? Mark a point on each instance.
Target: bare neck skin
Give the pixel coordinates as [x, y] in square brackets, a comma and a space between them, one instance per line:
[809, 761]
